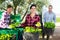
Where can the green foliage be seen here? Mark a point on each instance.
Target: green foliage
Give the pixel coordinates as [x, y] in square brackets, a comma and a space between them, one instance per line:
[1, 14]
[15, 18]
[49, 25]
[5, 36]
[32, 29]
[16, 3]
[25, 4]
[12, 16]
[15, 21]
[39, 6]
[1, 1]
[13, 26]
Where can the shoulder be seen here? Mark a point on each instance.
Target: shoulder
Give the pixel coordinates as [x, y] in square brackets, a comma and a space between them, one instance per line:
[46, 13]
[53, 13]
[28, 14]
[4, 13]
[37, 16]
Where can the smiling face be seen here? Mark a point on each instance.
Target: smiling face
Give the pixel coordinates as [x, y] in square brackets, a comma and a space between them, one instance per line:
[9, 10]
[33, 9]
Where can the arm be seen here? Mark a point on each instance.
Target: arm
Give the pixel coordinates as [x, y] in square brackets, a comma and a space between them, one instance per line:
[38, 23]
[54, 18]
[24, 24]
[44, 18]
[2, 18]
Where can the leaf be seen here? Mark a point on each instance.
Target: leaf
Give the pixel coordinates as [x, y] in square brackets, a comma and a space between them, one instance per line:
[49, 25]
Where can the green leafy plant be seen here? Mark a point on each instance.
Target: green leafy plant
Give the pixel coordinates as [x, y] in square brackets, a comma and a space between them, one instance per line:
[49, 25]
[14, 25]
[5, 36]
[32, 29]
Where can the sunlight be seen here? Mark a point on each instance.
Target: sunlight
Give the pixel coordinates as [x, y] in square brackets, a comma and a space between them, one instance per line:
[56, 6]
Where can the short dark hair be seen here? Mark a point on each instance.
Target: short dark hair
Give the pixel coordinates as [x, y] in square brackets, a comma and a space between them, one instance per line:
[50, 6]
[9, 6]
[32, 5]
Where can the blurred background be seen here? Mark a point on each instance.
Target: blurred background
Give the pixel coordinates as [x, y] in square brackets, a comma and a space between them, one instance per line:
[22, 7]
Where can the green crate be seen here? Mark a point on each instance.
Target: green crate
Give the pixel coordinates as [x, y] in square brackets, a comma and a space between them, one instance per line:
[17, 31]
[9, 31]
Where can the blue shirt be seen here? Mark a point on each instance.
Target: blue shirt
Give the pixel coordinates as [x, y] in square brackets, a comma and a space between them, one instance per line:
[49, 17]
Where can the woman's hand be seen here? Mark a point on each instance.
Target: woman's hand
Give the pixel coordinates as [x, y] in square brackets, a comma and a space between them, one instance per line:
[38, 24]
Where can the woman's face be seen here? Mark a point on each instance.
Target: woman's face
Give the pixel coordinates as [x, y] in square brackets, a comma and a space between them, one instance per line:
[33, 9]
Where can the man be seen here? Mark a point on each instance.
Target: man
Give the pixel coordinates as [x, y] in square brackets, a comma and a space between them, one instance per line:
[5, 20]
[31, 20]
[49, 16]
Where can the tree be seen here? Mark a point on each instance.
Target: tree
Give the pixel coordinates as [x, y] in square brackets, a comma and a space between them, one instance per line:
[29, 3]
[24, 5]
[39, 4]
[16, 3]
[1, 1]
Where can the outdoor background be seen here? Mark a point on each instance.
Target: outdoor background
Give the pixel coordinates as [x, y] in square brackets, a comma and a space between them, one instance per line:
[22, 7]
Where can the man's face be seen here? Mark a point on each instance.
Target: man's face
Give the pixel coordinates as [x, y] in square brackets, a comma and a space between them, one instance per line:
[50, 9]
[9, 10]
[33, 9]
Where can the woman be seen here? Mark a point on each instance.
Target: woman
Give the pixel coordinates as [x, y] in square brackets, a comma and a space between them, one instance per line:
[31, 21]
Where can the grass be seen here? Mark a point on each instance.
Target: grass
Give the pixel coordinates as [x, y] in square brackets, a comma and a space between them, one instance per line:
[58, 19]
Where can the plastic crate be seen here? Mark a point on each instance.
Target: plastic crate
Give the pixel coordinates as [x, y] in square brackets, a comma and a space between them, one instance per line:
[9, 31]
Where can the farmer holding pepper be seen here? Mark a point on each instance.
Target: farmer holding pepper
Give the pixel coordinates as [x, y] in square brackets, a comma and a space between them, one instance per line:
[31, 22]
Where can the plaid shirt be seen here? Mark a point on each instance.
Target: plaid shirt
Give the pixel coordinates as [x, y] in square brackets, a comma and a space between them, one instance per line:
[4, 20]
[31, 22]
